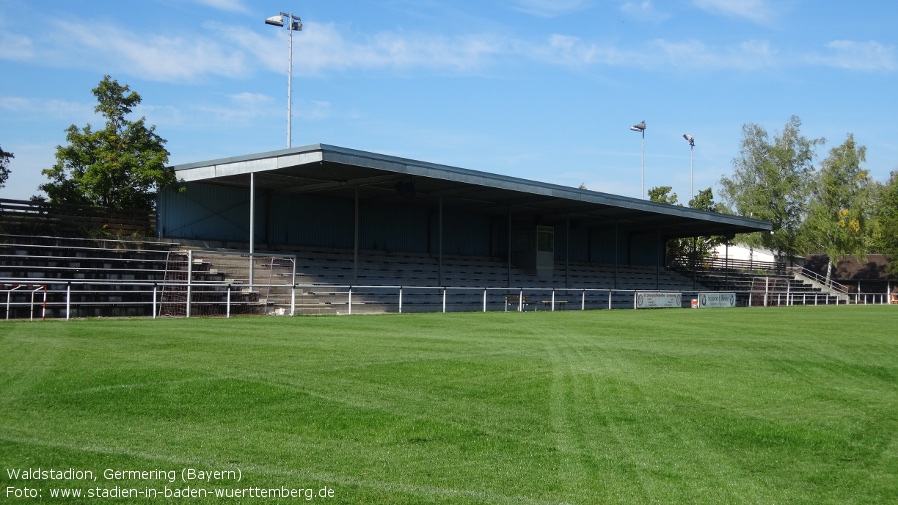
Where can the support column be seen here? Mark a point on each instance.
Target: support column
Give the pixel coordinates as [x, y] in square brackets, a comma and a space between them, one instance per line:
[658, 256]
[252, 225]
[616, 249]
[694, 261]
[567, 255]
[726, 266]
[440, 245]
[508, 258]
[355, 240]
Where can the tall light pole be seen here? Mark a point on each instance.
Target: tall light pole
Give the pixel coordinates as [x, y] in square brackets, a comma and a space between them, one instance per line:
[293, 24]
[641, 129]
[691, 140]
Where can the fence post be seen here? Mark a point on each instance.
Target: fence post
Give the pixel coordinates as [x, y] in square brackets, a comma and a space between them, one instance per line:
[609, 299]
[484, 299]
[68, 301]
[154, 301]
[400, 299]
[521, 300]
[766, 290]
[349, 304]
[444, 300]
[189, 280]
[293, 294]
[583, 300]
[553, 300]
[228, 304]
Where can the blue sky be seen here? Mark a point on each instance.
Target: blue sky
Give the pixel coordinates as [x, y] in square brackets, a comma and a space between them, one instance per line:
[539, 89]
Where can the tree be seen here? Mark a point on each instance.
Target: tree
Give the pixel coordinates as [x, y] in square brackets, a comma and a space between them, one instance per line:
[839, 208]
[771, 183]
[701, 247]
[121, 166]
[693, 249]
[676, 248]
[662, 194]
[4, 166]
[887, 221]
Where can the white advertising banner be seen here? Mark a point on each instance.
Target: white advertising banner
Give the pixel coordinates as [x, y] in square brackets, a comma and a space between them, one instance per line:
[716, 300]
[655, 300]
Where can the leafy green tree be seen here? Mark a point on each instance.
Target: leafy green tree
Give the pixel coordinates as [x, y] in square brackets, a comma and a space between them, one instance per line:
[701, 247]
[662, 194]
[839, 210]
[120, 166]
[4, 166]
[688, 249]
[771, 182]
[887, 221]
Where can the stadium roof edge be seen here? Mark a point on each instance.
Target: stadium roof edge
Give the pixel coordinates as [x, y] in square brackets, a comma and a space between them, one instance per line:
[272, 162]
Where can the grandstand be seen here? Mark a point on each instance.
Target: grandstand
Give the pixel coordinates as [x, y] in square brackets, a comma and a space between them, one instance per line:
[322, 230]
[101, 277]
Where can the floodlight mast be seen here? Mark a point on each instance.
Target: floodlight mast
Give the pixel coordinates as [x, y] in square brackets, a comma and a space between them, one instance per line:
[691, 140]
[641, 129]
[294, 23]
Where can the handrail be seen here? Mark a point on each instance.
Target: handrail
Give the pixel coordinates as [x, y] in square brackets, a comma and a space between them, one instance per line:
[814, 276]
[147, 300]
[709, 264]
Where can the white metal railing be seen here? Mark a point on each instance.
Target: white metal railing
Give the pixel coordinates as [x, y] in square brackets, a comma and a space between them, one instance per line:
[31, 289]
[87, 298]
[815, 277]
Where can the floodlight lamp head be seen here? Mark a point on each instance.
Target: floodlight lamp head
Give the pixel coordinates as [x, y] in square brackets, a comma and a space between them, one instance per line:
[275, 20]
[638, 127]
[690, 139]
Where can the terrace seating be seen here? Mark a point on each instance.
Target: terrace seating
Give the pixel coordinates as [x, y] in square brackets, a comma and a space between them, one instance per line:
[101, 274]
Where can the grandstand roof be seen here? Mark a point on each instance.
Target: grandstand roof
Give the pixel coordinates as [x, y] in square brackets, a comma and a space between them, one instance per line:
[339, 172]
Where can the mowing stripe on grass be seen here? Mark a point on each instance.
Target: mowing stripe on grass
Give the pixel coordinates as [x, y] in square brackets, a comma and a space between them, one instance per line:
[796, 405]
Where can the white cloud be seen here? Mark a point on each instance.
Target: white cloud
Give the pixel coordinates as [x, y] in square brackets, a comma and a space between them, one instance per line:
[643, 10]
[573, 51]
[322, 47]
[758, 11]
[241, 108]
[239, 51]
[550, 8]
[225, 5]
[659, 53]
[853, 55]
[15, 47]
[749, 55]
[152, 57]
[56, 109]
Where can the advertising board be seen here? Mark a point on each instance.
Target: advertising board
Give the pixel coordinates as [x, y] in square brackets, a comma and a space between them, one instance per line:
[716, 300]
[656, 300]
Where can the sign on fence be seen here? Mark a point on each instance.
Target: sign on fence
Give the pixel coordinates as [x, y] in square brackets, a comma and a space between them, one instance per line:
[715, 300]
[654, 300]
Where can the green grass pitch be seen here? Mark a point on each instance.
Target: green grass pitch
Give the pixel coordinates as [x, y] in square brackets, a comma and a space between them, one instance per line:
[791, 405]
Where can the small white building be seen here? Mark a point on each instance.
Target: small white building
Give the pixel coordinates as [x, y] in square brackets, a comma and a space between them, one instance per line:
[743, 252]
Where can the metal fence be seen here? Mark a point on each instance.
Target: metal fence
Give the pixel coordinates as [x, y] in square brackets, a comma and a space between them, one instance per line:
[79, 299]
